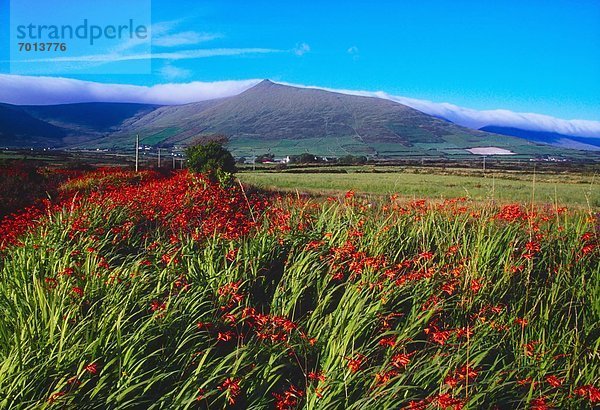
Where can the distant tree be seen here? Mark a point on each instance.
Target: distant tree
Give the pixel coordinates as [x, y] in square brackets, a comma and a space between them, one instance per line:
[352, 160]
[211, 159]
[305, 158]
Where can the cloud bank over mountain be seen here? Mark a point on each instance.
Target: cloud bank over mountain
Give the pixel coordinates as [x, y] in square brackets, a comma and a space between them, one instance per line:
[21, 90]
[25, 90]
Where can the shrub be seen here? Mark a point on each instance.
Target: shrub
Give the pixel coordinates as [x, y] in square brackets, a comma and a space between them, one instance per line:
[211, 159]
[352, 160]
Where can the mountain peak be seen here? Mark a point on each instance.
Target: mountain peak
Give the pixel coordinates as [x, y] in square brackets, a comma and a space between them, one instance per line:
[264, 83]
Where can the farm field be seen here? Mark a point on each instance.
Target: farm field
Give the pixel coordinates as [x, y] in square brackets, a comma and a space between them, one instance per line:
[161, 290]
[504, 187]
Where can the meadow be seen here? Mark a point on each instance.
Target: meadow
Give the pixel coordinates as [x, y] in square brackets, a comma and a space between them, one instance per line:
[161, 290]
[560, 189]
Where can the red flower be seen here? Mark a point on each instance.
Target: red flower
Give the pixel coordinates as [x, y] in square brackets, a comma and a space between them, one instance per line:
[539, 404]
[462, 375]
[156, 305]
[314, 376]
[400, 360]
[231, 255]
[521, 321]
[55, 396]
[51, 282]
[356, 362]
[388, 341]
[590, 392]
[289, 399]
[225, 336]
[475, 286]
[92, 368]
[426, 255]
[232, 388]
[78, 291]
[554, 381]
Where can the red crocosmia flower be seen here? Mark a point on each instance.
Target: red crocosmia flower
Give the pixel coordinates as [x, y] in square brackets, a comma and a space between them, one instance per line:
[587, 236]
[92, 368]
[231, 255]
[384, 377]
[349, 195]
[229, 317]
[462, 375]
[540, 404]
[289, 399]
[420, 405]
[527, 382]
[449, 287]
[590, 392]
[497, 309]
[521, 321]
[51, 283]
[225, 336]
[201, 393]
[78, 291]
[445, 401]
[440, 337]
[67, 272]
[314, 376]
[453, 249]
[55, 396]
[530, 348]
[356, 362]
[554, 381]
[232, 387]
[157, 305]
[400, 360]
[204, 325]
[426, 255]
[475, 286]
[588, 249]
[388, 341]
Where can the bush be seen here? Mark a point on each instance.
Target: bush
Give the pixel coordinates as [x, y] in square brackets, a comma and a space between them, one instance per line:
[352, 160]
[305, 158]
[211, 159]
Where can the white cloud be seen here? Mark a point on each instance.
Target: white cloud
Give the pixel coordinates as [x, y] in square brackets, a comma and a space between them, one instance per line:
[164, 35]
[15, 89]
[170, 72]
[353, 50]
[183, 38]
[301, 49]
[175, 55]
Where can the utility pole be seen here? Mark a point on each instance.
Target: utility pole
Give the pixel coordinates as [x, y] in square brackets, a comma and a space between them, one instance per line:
[173, 161]
[159, 157]
[137, 151]
[484, 157]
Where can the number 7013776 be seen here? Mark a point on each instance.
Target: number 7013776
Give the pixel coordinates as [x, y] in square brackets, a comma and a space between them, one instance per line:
[42, 47]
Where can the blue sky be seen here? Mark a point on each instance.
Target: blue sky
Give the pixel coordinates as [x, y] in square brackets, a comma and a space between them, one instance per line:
[532, 56]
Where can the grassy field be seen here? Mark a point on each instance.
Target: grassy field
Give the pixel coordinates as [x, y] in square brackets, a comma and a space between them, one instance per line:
[165, 291]
[573, 189]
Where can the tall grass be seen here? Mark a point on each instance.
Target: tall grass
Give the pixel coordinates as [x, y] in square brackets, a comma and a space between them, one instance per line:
[343, 303]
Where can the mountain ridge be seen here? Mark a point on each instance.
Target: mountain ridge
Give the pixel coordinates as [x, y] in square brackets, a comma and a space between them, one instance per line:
[268, 117]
